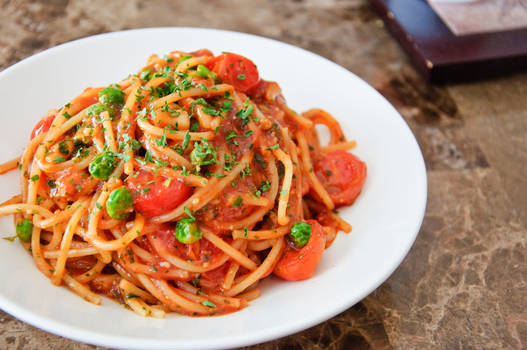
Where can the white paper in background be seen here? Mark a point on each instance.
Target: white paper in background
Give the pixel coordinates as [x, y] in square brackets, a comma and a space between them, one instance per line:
[480, 16]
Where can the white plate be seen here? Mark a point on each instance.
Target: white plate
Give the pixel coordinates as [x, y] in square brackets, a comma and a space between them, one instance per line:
[385, 218]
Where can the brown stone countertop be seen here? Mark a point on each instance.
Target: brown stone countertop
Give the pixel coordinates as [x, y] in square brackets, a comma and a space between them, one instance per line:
[464, 283]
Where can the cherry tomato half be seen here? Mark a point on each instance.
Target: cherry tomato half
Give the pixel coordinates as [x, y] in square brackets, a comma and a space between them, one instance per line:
[236, 70]
[42, 126]
[342, 174]
[299, 264]
[88, 97]
[156, 194]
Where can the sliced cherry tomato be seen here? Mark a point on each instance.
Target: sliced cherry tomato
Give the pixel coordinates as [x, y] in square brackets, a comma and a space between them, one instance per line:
[342, 174]
[236, 70]
[164, 233]
[229, 208]
[201, 251]
[88, 97]
[299, 264]
[42, 126]
[156, 194]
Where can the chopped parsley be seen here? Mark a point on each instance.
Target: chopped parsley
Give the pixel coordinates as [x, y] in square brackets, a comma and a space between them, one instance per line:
[172, 112]
[265, 185]
[211, 111]
[244, 114]
[186, 140]
[189, 213]
[162, 142]
[203, 154]
[185, 84]
[199, 101]
[237, 202]
[145, 75]
[182, 59]
[123, 156]
[130, 295]
[203, 87]
[148, 157]
[208, 303]
[63, 147]
[226, 106]
[246, 171]
[194, 126]
[231, 135]
[245, 231]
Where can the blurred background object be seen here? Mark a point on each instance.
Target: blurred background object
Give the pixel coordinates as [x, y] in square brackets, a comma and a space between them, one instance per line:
[459, 40]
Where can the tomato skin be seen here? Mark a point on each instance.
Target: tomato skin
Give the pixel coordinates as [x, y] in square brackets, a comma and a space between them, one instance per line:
[342, 174]
[42, 126]
[299, 264]
[152, 195]
[230, 67]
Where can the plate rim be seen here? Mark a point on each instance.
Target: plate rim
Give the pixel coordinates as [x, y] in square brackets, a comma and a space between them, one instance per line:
[234, 340]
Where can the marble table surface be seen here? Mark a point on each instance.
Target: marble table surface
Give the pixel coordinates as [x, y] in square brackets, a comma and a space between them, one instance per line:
[464, 283]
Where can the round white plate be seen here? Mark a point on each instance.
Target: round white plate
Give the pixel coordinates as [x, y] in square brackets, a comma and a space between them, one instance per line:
[385, 218]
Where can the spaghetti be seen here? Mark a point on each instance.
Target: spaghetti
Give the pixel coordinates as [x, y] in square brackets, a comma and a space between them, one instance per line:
[182, 187]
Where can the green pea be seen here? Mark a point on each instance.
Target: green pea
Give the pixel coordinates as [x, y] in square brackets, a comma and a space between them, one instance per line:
[119, 203]
[24, 230]
[103, 165]
[111, 96]
[203, 154]
[300, 234]
[187, 231]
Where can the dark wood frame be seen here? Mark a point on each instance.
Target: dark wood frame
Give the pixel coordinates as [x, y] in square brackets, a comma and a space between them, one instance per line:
[440, 55]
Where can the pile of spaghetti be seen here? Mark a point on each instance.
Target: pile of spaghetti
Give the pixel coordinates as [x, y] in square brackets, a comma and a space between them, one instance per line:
[181, 187]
